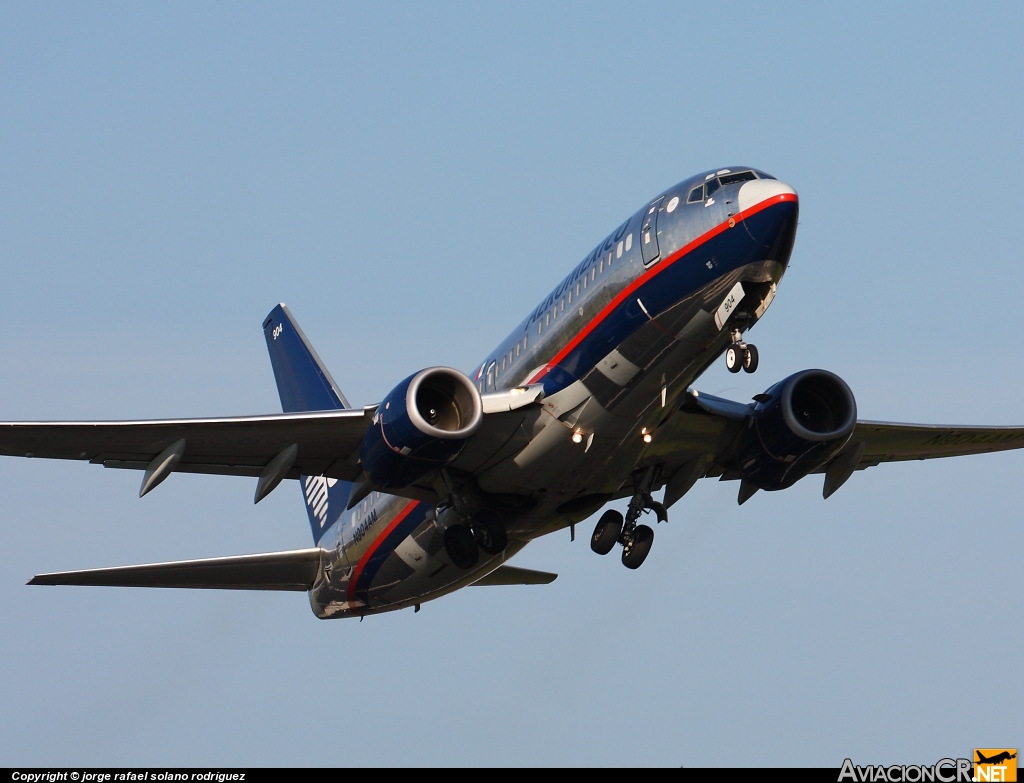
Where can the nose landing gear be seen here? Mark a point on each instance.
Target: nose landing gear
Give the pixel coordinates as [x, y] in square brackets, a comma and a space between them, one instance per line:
[740, 355]
[636, 539]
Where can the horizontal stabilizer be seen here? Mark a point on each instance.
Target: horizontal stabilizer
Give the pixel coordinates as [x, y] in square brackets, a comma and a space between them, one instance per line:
[510, 575]
[294, 570]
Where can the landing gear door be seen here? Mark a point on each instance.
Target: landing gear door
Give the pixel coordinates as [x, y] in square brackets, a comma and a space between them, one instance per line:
[649, 233]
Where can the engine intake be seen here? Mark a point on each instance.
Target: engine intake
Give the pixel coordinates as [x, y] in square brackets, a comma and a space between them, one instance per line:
[420, 426]
[798, 425]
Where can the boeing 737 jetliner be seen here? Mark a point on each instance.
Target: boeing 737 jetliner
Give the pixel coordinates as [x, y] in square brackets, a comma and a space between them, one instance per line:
[588, 400]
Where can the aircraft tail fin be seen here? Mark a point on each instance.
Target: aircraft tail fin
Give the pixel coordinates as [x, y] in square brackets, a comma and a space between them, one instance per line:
[304, 384]
[302, 380]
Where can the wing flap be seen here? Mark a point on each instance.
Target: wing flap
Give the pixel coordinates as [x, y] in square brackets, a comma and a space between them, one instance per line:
[294, 570]
[510, 575]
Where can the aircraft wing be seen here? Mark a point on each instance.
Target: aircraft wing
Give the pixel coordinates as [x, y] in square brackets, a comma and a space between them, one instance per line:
[239, 446]
[327, 442]
[294, 570]
[698, 441]
[891, 442]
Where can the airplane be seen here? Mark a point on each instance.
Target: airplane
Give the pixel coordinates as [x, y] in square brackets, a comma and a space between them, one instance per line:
[999, 758]
[590, 399]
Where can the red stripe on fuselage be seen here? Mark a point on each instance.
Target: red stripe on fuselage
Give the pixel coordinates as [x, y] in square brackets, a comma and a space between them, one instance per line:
[650, 273]
[375, 546]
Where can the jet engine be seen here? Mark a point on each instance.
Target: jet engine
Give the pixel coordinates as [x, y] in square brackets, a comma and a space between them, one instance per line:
[797, 425]
[420, 426]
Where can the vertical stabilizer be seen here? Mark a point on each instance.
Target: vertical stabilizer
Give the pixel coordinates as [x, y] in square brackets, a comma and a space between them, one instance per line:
[304, 384]
[302, 380]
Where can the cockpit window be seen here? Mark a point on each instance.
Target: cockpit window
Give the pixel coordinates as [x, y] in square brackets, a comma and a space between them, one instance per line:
[697, 194]
[710, 187]
[739, 176]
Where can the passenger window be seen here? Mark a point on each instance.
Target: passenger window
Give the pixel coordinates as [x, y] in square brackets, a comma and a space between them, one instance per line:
[525, 342]
[577, 289]
[697, 194]
[547, 321]
[540, 326]
[601, 270]
[593, 273]
[517, 349]
[710, 187]
[629, 242]
[584, 282]
[618, 250]
[570, 296]
[563, 304]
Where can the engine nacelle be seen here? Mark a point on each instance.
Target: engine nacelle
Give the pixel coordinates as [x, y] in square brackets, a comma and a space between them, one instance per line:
[797, 425]
[420, 426]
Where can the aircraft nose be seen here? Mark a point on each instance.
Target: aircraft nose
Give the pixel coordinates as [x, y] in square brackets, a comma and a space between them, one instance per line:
[758, 191]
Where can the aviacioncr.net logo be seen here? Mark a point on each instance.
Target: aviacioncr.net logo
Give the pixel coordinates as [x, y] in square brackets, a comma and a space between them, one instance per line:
[942, 771]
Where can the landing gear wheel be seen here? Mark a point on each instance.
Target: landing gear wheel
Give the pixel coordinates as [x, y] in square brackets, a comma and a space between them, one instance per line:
[635, 551]
[734, 358]
[609, 526]
[490, 535]
[750, 358]
[461, 546]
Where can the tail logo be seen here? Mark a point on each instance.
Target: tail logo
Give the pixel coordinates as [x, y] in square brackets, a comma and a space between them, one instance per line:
[277, 331]
[315, 488]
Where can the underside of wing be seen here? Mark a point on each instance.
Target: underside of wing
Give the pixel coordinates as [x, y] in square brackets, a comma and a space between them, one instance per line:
[891, 442]
[328, 442]
[510, 575]
[700, 440]
[295, 570]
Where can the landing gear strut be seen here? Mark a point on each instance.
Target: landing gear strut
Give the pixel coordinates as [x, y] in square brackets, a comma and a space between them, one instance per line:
[740, 355]
[636, 539]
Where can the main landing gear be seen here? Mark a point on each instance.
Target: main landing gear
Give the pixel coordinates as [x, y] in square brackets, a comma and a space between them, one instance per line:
[463, 542]
[740, 355]
[636, 539]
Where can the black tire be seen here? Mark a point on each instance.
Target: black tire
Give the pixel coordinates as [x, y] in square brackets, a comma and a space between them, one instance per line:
[635, 552]
[733, 358]
[461, 546]
[750, 358]
[490, 534]
[609, 526]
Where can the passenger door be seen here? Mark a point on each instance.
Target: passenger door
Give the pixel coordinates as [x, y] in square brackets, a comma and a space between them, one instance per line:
[649, 234]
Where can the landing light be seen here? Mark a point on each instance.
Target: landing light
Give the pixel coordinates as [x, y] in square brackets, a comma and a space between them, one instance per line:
[577, 437]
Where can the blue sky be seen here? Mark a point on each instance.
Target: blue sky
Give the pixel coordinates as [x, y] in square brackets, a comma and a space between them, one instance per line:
[412, 179]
